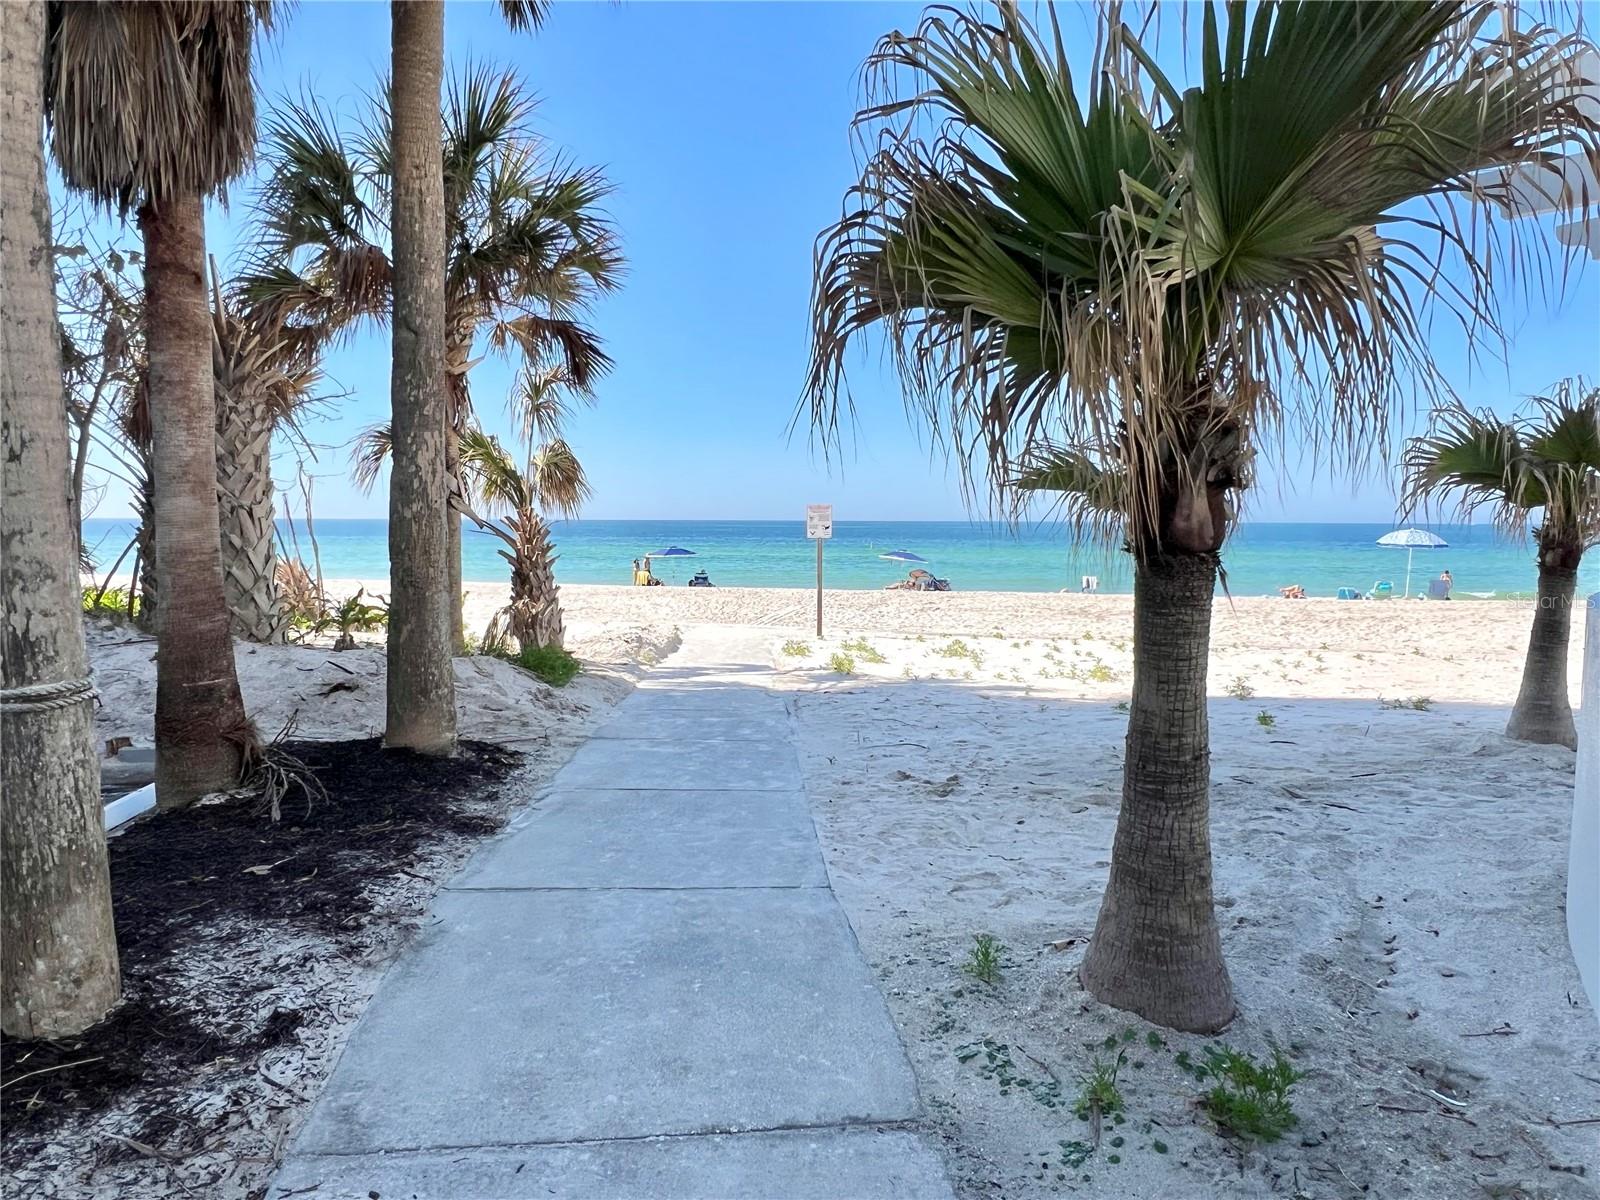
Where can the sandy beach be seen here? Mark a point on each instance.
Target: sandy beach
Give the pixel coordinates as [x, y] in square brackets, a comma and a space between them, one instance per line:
[1389, 866]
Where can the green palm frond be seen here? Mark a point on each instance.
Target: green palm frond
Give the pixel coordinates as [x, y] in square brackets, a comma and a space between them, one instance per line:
[490, 474]
[1090, 494]
[1170, 273]
[556, 479]
[529, 247]
[541, 399]
[523, 16]
[1546, 461]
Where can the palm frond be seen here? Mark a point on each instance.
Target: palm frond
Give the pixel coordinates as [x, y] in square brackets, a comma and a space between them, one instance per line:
[368, 453]
[149, 101]
[1172, 275]
[489, 473]
[556, 480]
[1544, 462]
[524, 15]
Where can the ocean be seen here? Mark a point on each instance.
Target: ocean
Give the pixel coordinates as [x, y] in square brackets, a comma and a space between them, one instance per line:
[974, 556]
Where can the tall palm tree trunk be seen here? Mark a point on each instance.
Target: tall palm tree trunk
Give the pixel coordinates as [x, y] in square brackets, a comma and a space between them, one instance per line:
[201, 728]
[421, 685]
[1156, 950]
[1543, 713]
[58, 949]
[249, 544]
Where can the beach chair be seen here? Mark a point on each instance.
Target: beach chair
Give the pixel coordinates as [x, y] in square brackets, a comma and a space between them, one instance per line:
[1091, 583]
[1438, 589]
[1383, 589]
[1348, 593]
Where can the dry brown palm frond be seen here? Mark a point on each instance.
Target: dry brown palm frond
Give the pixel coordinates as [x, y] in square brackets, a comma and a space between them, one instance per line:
[152, 100]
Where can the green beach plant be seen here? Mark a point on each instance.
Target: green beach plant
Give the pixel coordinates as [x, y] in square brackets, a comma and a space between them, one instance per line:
[1163, 274]
[1250, 1099]
[983, 960]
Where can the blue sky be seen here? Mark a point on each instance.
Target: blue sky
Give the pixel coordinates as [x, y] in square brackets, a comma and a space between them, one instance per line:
[724, 127]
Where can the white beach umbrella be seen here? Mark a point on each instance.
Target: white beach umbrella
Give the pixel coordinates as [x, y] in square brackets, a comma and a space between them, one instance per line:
[1411, 539]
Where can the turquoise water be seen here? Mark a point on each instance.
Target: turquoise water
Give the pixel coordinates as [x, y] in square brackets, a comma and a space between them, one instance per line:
[1260, 558]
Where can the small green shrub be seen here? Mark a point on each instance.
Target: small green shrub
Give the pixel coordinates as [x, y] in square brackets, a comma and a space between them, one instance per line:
[1265, 719]
[1240, 688]
[1251, 1099]
[983, 960]
[1098, 1093]
[1122, 706]
[864, 650]
[555, 666]
[796, 649]
[1100, 673]
[352, 615]
[956, 648]
[841, 664]
[117, 604]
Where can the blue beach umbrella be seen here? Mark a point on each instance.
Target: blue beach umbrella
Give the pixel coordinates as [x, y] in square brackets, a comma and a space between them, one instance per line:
[672, 552]
[903, 556]
[1411, 539]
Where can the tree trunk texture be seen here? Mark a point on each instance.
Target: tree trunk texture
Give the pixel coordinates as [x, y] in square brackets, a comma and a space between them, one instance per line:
[1156, 950]
[457, 359]
[536, 620]
[248, 512]
[453, 537]
[1543, 712]
[421, 683]
[202, 733]
[58, 946]
[144, 575]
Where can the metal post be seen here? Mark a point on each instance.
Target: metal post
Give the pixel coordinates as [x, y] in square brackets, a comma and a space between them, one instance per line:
[819, 587]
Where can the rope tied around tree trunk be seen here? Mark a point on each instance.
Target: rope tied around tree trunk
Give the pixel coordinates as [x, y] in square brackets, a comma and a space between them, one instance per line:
[41, 697]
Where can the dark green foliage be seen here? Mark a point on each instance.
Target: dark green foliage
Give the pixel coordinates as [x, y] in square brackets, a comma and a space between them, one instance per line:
[1250, 1099]
[552, 664]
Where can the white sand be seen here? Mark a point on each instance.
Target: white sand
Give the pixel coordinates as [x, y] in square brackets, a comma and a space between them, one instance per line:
[1389, 880]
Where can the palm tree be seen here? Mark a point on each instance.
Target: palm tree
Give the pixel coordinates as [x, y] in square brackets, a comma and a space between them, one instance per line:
[1169, 275]
[178, 78]
[265, 375]
[550, 480]
[527, 248]
[1548, 462]
[60, 956]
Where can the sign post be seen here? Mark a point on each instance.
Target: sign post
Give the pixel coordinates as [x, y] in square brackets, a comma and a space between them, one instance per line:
[819, 528]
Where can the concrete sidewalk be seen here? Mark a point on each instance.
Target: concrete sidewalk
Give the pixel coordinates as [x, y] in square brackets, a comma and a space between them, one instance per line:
[644, 988]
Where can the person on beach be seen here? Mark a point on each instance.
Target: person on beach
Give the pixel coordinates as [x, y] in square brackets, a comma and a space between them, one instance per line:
[1449, 583]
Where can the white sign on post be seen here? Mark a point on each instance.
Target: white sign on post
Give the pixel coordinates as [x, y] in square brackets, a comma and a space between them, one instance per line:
[819, 528]
[819, 521]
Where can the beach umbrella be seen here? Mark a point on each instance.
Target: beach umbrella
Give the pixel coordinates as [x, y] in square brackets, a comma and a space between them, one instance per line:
[1411, 539]
[672, 552]
[902, 556]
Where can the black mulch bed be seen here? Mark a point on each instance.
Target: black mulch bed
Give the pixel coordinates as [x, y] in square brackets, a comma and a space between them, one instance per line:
[173, 872]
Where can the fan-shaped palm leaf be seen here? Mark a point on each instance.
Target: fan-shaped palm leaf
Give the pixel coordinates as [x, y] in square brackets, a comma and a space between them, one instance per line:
[1090, 494]
[556, 479]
